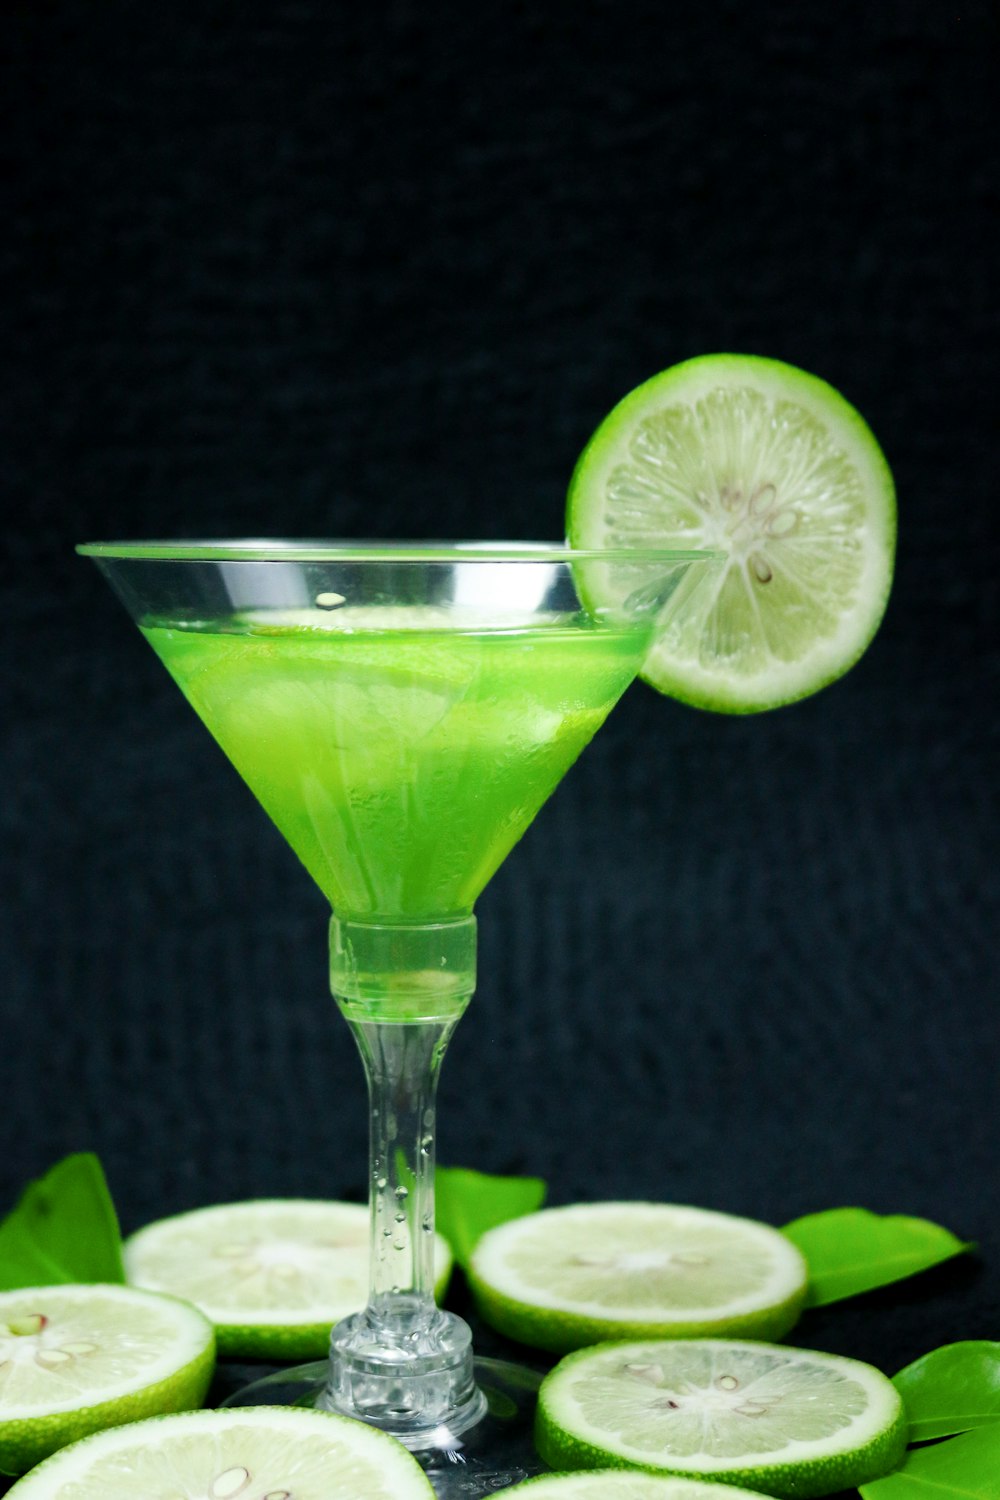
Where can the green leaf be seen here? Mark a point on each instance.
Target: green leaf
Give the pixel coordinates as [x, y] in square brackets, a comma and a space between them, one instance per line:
[963, 1468]
[468, 1203]
[851, 1250]
[952, 1389]
[63, 1229]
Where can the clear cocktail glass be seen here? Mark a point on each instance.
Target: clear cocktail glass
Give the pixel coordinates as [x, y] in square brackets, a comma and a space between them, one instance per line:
[402, 712]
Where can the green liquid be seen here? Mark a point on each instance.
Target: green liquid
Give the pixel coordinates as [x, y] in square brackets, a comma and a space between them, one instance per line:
[401, 765]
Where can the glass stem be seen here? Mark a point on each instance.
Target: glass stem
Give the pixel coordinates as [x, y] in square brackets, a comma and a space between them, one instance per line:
[403, 1364]
[402, 1063]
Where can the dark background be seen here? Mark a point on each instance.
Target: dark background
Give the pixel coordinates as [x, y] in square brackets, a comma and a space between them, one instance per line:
[324, 269]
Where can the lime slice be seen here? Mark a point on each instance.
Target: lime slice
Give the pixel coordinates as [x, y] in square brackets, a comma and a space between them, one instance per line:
[786, 1421]
[273, 1275]
[774, 469]
[566, 1277]
[75, 1359]
[623, 1484]
[260, 1453]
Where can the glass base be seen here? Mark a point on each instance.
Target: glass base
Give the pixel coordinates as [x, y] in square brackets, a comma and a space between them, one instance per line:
[410, 1376]
[490, 1456]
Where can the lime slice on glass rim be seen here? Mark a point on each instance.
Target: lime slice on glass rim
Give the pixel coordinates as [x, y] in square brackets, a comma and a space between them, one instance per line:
[273, 1274]
[789, 1422]
[772, 468]
[566, 1277]
[261, 1453]
[76, 1359]
[623, 1484]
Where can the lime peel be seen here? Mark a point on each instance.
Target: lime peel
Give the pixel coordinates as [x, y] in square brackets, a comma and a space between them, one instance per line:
[622, 1484]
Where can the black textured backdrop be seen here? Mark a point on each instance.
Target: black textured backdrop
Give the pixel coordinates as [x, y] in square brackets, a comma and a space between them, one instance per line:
[326, 269]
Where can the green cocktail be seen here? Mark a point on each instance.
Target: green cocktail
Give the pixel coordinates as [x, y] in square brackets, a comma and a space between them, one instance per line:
[401, 713]
[403, 763]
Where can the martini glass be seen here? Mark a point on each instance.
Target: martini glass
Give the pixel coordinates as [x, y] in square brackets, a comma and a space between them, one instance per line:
[401, 713]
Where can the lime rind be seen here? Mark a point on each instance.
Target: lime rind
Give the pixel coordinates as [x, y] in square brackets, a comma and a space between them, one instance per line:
[540, 1329]
[625, 1484]
[325, 1456]
[789, 1422]
[568, 1277]
[273, 1275]
[776, 468]
[111, 1354]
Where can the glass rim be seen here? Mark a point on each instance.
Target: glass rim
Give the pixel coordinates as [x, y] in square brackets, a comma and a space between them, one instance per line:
[336, 551]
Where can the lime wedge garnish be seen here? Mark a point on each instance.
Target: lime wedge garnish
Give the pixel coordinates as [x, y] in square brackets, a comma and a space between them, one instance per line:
[273, 1275]
[622, 1484]
[789, 1422]
[566, 1277]
[260, 1453]
[75, 1359]
[772, 468]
